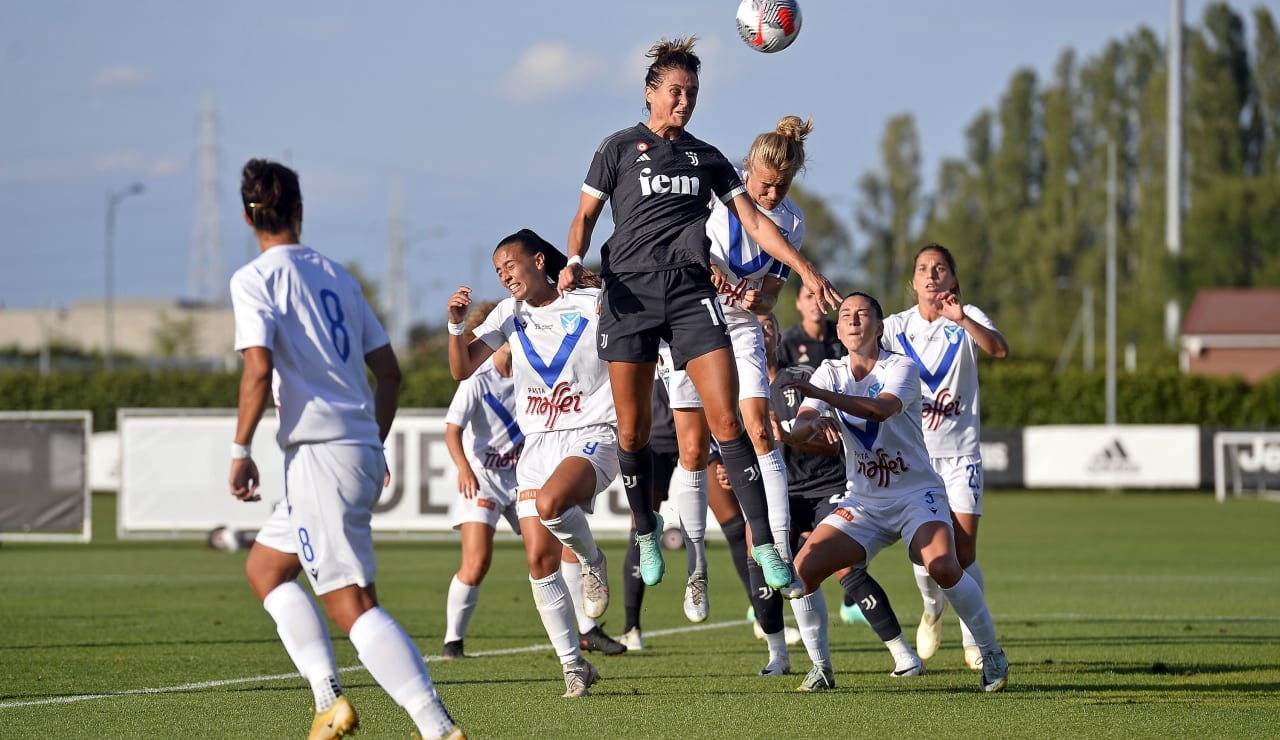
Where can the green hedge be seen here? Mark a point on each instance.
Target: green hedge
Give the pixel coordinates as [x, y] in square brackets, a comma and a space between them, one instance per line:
[105, 392]
[1013, 395]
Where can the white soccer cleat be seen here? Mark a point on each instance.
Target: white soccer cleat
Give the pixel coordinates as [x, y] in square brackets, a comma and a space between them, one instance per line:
[995, 672]
[595, 587]
[818, 679]
[910, 669]
[695, 598]
[929, 634]
[778, 666]
[578, 678]
[633, 640]
[973, 657]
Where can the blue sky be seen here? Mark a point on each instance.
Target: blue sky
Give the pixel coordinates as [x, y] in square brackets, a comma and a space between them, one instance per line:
[486, 113]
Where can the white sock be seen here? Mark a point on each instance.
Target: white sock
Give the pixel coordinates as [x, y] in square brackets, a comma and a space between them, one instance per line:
[975, 571]
[459, 607]
[551, 596]
[970, 605]
[904, 656]
[572, 530]
[930, 592]
[689, 489]
[811, 617]
[773, 469]
[396, 664]
[305, 635]
[778, 646]
[572, 574]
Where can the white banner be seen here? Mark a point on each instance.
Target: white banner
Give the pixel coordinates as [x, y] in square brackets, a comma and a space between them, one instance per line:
[174, 466]
[1126, 456]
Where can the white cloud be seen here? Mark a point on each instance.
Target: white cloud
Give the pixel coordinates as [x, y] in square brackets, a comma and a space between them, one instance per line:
[122, 161]
[119, 77]
[549, 70]
[164, 167]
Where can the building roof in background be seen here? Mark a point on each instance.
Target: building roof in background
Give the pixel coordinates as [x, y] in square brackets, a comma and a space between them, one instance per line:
[1234, 311]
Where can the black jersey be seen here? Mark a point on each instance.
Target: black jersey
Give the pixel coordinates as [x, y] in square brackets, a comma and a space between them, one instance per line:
[798, 348]
[809, 475]
[660, 192]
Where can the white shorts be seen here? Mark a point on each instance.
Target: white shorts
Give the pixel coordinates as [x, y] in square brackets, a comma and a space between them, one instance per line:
[544, 451]
[963, 477]
[330, 490]
[496, 499]
[877, 523]
[748, 354]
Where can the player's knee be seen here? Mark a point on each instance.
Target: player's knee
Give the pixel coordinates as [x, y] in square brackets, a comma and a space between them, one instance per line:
[550, 505]
[693, 460]
[944, 571]
[761, 439]
[806, 568]
[543, 564]
[474, 569]
[724, 424]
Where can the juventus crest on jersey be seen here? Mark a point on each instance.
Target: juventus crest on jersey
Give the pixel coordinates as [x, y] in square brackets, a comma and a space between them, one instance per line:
[560, 381]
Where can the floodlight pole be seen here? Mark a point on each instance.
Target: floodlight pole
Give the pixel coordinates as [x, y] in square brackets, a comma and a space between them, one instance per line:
[1111, 283]
[109, 289]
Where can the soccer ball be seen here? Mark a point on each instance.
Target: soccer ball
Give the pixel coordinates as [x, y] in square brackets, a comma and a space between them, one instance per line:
[224, 539]
[769, 25]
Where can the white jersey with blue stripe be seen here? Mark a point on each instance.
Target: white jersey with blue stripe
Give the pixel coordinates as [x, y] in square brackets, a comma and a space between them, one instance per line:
[741, 260]
[311, 314]
[484, 407]
[560, 380]
[883, 459]
[947, 356]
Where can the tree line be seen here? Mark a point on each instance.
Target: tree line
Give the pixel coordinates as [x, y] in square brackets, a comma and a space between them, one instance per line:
[1024, 209]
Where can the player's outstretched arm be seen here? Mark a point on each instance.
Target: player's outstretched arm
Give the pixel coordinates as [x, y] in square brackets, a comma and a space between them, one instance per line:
[765, 233]
[580, 230]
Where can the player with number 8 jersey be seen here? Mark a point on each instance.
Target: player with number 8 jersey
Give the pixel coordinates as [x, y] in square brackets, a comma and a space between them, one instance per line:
[307, 333]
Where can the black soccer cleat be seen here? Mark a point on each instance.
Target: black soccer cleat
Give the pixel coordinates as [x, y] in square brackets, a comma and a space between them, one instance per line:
[452, 650]
[595, 640]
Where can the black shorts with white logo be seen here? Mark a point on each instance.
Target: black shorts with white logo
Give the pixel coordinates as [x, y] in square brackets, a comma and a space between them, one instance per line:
[640, 309]
[808, 512]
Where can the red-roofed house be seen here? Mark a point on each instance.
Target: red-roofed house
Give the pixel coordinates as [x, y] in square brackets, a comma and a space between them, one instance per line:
[1233, 331]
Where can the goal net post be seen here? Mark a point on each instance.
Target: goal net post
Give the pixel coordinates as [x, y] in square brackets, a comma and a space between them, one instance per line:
[1246, 464]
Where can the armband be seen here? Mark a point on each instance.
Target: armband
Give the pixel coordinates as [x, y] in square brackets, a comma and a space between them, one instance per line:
[239, 451]
[457, 329]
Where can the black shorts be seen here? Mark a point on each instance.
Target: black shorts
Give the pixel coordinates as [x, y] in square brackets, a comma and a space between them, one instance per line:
[641, 309]
[807, 513]
[664, 467]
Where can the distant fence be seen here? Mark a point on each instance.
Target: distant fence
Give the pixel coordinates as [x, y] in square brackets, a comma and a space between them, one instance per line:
[172, 469]
[44, 475]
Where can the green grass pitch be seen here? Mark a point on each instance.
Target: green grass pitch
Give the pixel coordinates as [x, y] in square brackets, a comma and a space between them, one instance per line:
[1138, 615]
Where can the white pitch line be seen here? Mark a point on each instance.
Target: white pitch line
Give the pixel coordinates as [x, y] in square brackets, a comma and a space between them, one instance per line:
[1067, 617]
[294, 676]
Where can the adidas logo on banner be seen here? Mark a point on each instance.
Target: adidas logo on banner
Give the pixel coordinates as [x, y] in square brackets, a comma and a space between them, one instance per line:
[1112, 458]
